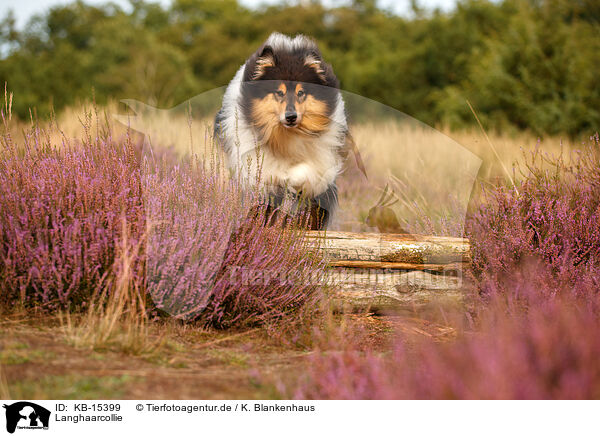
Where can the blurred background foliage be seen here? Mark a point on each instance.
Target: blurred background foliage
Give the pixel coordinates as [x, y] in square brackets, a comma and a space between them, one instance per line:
[523, 64]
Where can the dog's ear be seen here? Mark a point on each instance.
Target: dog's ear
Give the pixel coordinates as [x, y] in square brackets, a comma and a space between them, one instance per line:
[265, 59]
[314, 60]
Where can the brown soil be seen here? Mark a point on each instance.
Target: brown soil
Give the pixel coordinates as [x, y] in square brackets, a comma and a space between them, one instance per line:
[38, 362]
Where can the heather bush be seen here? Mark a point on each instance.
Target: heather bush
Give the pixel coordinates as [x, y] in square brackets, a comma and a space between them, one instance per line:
[550, 222]
[210, 256]
[62, 209]
[71, 212]
[549, 353]
[267, 274]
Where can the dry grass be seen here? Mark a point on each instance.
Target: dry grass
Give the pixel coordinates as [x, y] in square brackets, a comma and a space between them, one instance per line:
[384, 143]
[116, 319]
[4, 392]
[434, 173]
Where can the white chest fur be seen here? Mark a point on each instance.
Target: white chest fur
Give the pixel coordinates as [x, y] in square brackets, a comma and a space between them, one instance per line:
[311, 167]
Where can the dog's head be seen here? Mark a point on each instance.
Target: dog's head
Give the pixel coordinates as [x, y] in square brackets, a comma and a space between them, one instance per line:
[288, 88]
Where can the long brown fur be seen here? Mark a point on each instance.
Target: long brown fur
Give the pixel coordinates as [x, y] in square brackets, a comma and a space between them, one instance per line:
[267, 111]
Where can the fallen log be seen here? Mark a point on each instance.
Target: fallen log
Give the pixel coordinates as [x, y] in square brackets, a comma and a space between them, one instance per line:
[397, 265]
[388, 247]
[387, 272]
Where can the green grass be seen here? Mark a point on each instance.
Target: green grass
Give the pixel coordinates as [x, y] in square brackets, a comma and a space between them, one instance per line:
[71, 387]
[16, 353]
[229, 357]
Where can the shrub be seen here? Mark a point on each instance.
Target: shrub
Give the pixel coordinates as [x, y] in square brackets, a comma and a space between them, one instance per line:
[62, 209]
[551, 223]
[548, 353]
[210, 256]
[71, 212]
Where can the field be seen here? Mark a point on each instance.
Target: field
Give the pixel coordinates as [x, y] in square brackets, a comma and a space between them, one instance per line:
[107, 234]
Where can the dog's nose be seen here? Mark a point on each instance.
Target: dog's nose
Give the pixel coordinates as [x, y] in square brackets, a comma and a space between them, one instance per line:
[291, 117]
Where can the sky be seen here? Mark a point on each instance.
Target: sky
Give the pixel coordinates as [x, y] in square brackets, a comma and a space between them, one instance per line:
[24, 9]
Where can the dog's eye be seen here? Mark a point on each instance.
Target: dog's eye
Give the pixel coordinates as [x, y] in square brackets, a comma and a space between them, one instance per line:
[279, 93]
[301, 93]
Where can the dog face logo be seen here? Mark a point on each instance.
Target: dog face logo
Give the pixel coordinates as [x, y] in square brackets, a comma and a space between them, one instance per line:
[26, 415]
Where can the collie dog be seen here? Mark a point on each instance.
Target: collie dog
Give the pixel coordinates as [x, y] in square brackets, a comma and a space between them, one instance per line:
[282, 123]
